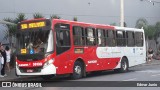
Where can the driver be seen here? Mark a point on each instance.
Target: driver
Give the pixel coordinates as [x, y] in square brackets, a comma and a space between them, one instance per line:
[38, 45]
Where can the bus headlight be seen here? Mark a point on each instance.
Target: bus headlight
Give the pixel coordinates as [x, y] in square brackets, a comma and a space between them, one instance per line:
[17, 65]
[48, 63]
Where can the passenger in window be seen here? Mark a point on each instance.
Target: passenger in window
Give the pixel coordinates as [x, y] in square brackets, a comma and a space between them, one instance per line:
[91, 41]
[90, 38]
[99, 38]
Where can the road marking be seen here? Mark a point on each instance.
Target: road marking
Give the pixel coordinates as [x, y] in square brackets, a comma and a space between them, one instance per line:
[130, 79]
[155, 75]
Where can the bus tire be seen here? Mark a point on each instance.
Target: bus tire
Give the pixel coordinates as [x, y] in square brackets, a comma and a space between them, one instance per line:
[77, 70]
[124, 66]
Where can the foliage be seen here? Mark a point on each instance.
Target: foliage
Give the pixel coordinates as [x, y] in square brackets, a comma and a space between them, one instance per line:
[142, 23]
[37, 15]
[113, 24]
[20, 17]
[150, 31]
[75, 19]
[8, 20]
[11, 29]
[157, 27]
[55, 17]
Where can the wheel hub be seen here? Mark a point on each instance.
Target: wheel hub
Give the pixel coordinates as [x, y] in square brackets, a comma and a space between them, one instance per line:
[78, 69]
[124, 65]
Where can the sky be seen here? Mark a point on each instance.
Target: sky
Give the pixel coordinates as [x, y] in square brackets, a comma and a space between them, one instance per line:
[90, 11]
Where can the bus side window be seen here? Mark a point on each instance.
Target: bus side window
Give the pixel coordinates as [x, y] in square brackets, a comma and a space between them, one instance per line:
[101, 37]
[139, 39]
[63, 38]
[78, 35]
[90, 33]
[130, 38]
[111, 38]
[120, 37]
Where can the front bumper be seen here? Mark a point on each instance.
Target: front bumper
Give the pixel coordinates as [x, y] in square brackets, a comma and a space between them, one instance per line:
[48, 70]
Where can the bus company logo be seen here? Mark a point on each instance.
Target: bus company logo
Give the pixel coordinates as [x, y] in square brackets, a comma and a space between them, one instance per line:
[21, 65]
[6, 84]
[92, 61]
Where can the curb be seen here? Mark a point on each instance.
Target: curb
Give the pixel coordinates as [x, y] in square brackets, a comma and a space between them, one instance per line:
[155, 62]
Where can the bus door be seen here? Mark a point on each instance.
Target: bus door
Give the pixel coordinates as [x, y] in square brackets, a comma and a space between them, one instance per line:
[63, 44]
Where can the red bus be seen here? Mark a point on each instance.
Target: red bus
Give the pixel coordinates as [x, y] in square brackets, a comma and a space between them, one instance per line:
[55, 47]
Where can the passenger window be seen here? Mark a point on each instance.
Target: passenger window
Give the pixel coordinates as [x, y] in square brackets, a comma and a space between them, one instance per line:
[110, 38]
[130, 38]
[78, 36]
[90, 37]
[120, 37]
[101, 37]
[139, 39]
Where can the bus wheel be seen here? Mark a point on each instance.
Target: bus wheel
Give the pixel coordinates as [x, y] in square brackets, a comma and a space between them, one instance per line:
[124, 66]
[77, 70]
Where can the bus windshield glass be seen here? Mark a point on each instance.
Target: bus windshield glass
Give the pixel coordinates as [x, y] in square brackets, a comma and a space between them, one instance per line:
[34, 42]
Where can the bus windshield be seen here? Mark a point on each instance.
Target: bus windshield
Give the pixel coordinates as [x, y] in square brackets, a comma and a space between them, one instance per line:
[34, 42]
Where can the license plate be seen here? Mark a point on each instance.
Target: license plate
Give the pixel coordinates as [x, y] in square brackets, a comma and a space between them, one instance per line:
[29, 70]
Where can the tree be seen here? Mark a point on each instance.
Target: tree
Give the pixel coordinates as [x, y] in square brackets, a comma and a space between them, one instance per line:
[20, 17]
[75, 19]
[37, 15]
[55, 17]
[113, 24]
[157, 27]
[150, 31]
[142, 23]
[11, 30]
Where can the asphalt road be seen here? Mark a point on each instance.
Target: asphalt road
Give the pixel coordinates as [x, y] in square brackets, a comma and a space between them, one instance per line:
[137, 73]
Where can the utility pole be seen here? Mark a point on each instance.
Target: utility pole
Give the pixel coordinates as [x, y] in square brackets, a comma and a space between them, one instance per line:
[122, 13]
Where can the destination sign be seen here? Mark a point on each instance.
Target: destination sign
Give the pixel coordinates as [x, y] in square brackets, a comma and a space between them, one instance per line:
[33, 25]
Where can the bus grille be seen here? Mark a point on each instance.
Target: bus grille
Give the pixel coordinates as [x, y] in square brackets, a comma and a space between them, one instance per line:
[34, 70]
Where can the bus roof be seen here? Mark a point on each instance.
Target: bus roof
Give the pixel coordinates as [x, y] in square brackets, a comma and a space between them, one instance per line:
[76, 23]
